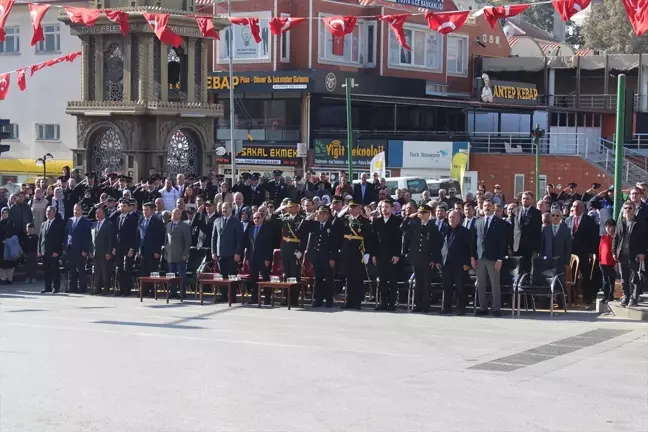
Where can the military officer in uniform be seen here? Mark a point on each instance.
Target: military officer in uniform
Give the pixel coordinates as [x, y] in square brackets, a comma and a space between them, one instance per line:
[277, 189]
[355, 252]
[387, 249]
[290, 244]
[257, 195]
[422, 246]
[322, 243]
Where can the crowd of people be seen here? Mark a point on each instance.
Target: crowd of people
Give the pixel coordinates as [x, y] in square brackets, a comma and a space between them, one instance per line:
[344, 232]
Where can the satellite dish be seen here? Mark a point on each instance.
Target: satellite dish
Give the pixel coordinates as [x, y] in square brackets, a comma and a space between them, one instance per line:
[509, 30]
[220, 151]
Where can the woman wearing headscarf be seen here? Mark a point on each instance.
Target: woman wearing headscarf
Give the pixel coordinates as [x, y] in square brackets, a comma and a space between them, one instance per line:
[7, 230]
[38, 205]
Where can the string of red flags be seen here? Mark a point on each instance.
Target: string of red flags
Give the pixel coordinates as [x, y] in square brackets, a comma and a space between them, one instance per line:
[338, 26]
[21, 74]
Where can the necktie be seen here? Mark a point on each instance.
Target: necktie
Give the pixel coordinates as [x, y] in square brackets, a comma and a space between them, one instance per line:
[575, 223]
[256, 231]
[555, 229]
[99, 225]
[321, 227]
[173, 225]
[225, 221]
[121, 221]
[145, 224]
[487, 225]
[74, 224]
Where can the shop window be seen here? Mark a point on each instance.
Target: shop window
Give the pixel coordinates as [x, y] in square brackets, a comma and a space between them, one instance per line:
[408, 118]
[457, 55]
[284, 45]
[359, 47]
[244, 48]
[518, 186]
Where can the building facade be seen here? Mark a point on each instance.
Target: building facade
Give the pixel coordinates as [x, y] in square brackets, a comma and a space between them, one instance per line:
[39, 122]
[289, 89]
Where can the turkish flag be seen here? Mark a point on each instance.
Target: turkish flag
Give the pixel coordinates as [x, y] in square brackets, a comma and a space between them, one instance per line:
[21, 79]
[494, 13]
[396, 23]
[159, 24]
[446, 22]
[5, 8]
[37, 12]
[35, 68]
[340, 25]
[252, 23]
[55, 61]
[5, 79]
[569, 8]
[206, 27]
[82, 15]
[119, 17]
[636, 11]
[72, 56]
[282, 25]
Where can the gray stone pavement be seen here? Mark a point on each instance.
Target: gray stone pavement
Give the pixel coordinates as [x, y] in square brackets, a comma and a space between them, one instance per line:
[78, 363]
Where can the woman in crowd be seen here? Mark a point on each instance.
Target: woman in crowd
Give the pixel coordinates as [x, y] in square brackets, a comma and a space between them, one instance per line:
[224, 195]
[189, 198]
[38, 205]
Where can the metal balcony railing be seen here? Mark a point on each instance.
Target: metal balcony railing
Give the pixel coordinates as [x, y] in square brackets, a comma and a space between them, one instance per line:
[522, 143]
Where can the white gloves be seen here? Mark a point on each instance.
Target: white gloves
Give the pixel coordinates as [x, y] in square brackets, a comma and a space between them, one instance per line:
[298, 255]
[365, 259]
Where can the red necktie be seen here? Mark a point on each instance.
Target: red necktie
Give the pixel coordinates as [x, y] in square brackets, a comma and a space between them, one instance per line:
[575, 223]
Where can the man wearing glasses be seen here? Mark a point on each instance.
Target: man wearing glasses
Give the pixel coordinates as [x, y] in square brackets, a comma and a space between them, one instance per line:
[556, 241]
[629, 248]
[585, 239]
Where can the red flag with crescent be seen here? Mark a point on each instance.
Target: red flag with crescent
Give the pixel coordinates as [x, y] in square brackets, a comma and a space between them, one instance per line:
[396, 23]
[206, 27]
[21, 79]
[636, 11]
[284, 24]
[494, 13]
[82, 15]
[251, 23]
[119, 17]
[5, 79]
[5, 8]
[36, 13]
[446, 22]
[340, 25]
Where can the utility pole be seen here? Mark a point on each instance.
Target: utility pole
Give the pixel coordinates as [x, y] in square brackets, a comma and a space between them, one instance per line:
[618, 144]
[349, 83]
[538, 134]
[231, 94]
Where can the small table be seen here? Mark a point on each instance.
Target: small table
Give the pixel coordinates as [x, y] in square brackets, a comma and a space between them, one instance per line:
[279, 285]
[162, 282]
[219, 283]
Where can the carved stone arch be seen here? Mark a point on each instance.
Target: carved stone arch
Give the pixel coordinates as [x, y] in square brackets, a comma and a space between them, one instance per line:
[202, 134]
[105, 143]
[113, 70]
[184, 151]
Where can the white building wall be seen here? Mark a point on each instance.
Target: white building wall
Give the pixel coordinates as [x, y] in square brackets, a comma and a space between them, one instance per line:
[47, 93]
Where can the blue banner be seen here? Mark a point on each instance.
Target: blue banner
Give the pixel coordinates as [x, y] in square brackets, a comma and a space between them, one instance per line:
[427, 4]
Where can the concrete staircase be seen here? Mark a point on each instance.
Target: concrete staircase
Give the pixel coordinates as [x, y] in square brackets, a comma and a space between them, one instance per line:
[603, 157]
[615, 310]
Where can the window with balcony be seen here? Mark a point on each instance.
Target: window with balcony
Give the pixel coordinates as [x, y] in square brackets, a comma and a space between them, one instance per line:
[240, 41]
[11, 44]
[48, 132]
[457, 63]
[426, 53]
[52, 41]
[356, 48]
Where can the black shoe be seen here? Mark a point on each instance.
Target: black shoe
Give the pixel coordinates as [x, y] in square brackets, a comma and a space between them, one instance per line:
[318, 304]
[9, 282]
[382, 307]
[45, 290]
[445, 311]
[391, 308]
[633, 302]
[481, 312]
[497, 313]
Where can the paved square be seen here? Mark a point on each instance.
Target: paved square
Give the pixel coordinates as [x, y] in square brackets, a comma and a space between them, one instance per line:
[78, 363]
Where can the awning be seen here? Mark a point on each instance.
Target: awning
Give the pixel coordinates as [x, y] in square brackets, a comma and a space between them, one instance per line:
[28, 166]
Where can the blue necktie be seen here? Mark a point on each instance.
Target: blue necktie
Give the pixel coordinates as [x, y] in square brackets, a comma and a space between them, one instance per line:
[321, 227]
[256, 231]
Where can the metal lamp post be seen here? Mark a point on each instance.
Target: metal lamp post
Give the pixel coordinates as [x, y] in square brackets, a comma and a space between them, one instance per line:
[43, 161]
[349, 84]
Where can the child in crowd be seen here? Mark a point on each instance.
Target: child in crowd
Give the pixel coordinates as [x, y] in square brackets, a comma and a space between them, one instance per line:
[29, 246]
[607, 261]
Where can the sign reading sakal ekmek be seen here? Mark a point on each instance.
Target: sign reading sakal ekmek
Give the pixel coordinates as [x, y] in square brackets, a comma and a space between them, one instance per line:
[260, 82]
[263, 155]
[333, 151]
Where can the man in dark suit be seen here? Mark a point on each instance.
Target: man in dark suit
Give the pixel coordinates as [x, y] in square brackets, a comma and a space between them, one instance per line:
[77, 247]
[50, 247]
[585, 241]
[277, 189]
[321, 242]
[456, 262]
[629, 246]
[441, 222]
[489, 251]
[227, 243]
[151, 239]
[256, 193]
[387, 248]
[557, 241]
[363, 192]
[422, 247]
[103, 243]
[526, 231]
[126, 245]
[177, 243]
[470, 217]
[206, 225]
[258, 244]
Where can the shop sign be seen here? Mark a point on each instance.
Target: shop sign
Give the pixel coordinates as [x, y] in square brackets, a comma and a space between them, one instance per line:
[507, 92]
[423, 154]
[263, 155]
[333, 151]
[260, 81]
[427, 4]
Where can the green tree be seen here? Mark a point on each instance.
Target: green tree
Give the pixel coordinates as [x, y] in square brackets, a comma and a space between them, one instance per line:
[608, 28]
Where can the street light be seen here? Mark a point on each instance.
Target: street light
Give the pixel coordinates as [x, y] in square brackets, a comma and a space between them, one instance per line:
[42, 161]
[349, 83]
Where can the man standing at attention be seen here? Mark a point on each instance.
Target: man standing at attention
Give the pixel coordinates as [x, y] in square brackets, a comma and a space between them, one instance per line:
[78, 245]
[177, 243]
[50, 247]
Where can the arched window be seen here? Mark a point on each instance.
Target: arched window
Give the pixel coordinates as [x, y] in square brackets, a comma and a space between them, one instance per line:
[107, 151]
[183, 156]
[177, 64]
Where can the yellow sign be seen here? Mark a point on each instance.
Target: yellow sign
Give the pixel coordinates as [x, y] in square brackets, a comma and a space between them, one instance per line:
[514, 92]
[459, 165]
[337, 150]
[218, 82]
[269, 152]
